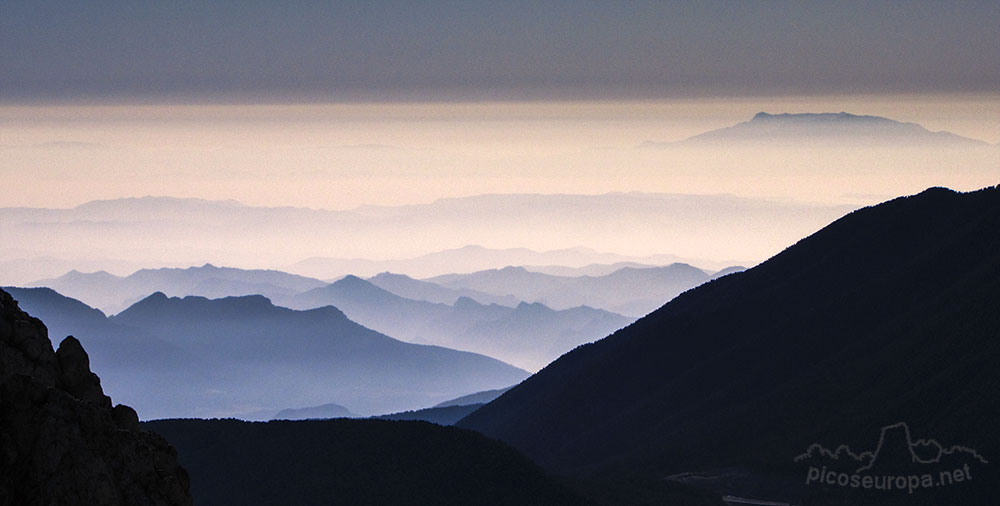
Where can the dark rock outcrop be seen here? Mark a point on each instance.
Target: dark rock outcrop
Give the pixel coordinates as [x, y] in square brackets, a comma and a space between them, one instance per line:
[61, 442]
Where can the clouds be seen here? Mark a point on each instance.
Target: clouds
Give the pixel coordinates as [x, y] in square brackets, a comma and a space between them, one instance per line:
[401, 50]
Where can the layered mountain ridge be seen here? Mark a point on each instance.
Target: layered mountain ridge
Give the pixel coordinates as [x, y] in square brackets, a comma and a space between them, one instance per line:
[195, 356]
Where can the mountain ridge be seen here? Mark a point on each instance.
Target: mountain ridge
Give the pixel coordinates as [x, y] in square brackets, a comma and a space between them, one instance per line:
[527, 335]
[204, 357]
[840, 125]
[839, 334]
[115, 293]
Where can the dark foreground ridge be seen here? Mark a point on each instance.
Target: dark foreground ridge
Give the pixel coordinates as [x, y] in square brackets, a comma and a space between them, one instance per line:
[890, 314]
[355, 462]
[61, 441]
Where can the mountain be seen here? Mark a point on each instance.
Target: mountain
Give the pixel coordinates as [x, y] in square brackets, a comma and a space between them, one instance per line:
[267, 356]
[357, 462]
[22, 271]
[529, 335]
[728, 270]
[225, 357]
[629, 290]
[476, 398]
[62, 441]
[138, 365]
[325, 411]
[448, 412]
[405, 286]
[114, 293]
[831, 127]
[889, 314]
[446, 415]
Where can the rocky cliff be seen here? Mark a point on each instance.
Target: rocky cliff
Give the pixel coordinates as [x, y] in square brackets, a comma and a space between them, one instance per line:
[61, 441]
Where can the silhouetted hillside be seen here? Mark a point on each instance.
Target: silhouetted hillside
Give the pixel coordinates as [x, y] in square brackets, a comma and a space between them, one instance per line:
[529, 336]
[890, 314]
[354, 462]
[61, 440]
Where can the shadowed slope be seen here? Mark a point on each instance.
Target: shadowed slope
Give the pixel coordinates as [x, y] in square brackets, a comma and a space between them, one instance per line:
[356, 462]
[889, 314]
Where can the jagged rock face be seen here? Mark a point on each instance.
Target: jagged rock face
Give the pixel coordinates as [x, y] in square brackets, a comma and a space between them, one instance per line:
[61, 442]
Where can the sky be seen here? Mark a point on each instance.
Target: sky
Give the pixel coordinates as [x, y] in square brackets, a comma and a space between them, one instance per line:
[336, 105]
[468, 50]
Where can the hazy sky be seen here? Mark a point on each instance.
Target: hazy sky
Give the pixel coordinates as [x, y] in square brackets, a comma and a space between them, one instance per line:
[346, 50]
[336, 105]
[340, 156]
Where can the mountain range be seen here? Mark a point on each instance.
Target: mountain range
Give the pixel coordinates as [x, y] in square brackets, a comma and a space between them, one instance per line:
[632, 291]
[405, 286]
[843, 129]
[887, 318]
[528, 335]
[64, 442]
[195, 356]
[472, 258]
[889, 314]
[480, 312]
[112, 293]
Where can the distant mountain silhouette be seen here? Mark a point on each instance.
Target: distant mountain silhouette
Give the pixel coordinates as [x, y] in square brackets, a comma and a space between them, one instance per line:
[727, 271]
[890, 313]
[113, 293]
[441, 415]
[274, 356]
[830, 127]
[470, 258]
[629, 290]
[529, 335]
[223, 357]
[476, 398]
[405, 286]
[325, 411]
[61, 439]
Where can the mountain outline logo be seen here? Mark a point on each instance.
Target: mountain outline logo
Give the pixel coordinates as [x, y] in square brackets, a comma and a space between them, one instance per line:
[898, 462]
[922, 451]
